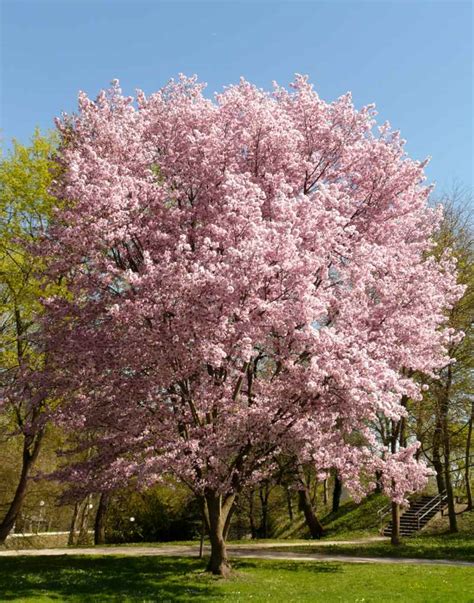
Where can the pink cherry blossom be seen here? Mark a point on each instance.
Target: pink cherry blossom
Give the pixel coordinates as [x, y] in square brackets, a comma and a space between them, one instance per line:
[249, 275]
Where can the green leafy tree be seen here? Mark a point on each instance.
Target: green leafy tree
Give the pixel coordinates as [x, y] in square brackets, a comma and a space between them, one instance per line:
[444, 420]
[26, 174]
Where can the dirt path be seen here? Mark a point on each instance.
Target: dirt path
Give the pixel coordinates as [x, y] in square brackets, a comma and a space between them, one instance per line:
[255, 551]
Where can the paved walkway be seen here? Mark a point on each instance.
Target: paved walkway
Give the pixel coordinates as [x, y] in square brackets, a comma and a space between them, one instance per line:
[248, 551]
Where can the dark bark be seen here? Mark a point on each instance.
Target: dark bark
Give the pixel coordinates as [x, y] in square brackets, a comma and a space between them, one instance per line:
[336, 494]
[447, 453]
[99, 523]
[264, 493]
[447, 467]
[395, 538]
[202, 505]
[31, 448]
[468, 461]
[289, 504]
[378, 481]
[396, 433]
[218, 510]
[325, 492]
[228, 519]
[201, 539]
[437, 459]
[253, 528]
[315, 528]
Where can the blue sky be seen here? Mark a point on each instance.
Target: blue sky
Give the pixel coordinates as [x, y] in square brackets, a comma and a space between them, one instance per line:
[413, 58]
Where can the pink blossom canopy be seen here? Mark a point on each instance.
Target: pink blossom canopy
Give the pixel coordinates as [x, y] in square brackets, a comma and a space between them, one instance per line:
[250, 276]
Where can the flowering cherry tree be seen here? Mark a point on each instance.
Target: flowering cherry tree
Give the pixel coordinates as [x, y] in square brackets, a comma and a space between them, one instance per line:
[248, 276]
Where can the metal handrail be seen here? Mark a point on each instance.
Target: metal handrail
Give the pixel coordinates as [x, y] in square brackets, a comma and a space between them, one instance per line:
[432, 504]
[384, 510]
[428, 503]
[425, 509]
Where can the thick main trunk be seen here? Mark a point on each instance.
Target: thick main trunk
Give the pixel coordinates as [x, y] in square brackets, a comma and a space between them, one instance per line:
[31, 447]
[99, 524]
[218, 510]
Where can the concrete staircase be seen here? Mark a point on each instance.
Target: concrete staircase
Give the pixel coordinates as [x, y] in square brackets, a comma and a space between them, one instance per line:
[418, 514]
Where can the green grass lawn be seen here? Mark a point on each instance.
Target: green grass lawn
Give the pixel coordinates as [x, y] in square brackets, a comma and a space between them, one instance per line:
[88, 579]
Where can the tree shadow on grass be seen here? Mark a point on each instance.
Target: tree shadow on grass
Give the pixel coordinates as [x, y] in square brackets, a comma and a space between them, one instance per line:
[87, 579]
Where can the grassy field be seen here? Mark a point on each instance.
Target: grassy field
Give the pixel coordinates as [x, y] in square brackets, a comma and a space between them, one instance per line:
[88, 579]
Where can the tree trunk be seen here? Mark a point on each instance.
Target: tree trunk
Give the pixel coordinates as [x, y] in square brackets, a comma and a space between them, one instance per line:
[395, 538]
[31, 448]
[378, 482]
[315, 528]
[306, 505]
[99, 523]
[453, 524]
[217, 513]
[288, 502]
[396, 437]
[437, 462]
[336, 494]
[453, 527]
[84, 521]
[253, 529]
[325, 492]
[468, 461]
[228, 519]
[264, 493]
[73, 529]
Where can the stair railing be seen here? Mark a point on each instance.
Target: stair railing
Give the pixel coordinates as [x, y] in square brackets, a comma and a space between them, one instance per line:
[382, 513]
[431, 505]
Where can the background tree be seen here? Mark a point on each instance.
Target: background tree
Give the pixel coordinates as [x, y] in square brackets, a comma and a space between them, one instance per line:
[446, 434]
[26, 204]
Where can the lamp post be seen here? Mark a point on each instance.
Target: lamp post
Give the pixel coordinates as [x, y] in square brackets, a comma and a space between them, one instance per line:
[40, 516]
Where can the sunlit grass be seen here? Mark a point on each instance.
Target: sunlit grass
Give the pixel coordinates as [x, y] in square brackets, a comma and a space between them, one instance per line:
[85, 578]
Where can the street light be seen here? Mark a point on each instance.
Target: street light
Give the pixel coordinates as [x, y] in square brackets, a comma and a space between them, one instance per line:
[40, 518]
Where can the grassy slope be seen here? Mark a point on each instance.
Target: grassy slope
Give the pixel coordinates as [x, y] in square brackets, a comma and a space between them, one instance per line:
[87, 579]
[433, 543]
[350, 521]
[354, 519]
